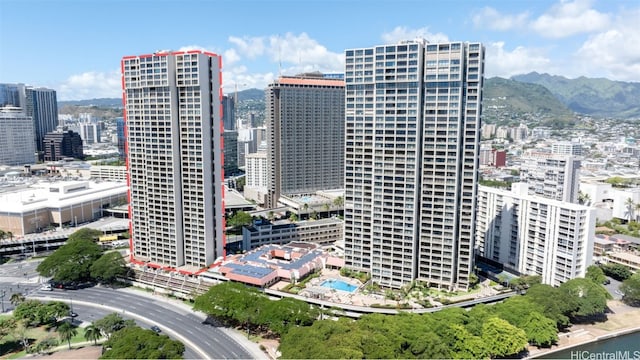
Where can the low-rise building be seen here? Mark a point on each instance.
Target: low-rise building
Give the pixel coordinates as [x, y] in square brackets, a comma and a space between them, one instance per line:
[265, 232]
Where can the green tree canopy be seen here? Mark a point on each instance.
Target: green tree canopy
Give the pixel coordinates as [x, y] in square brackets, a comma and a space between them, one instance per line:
[631, 290]
[109, 267]
[35, 313]
[72, 261]
[540, 330]
[138, 343]
[502, 339]
[590, 298]
[92, 333]
[85, 234]
[595, 274]
[240, 219]
[616, 271]
[112, 323]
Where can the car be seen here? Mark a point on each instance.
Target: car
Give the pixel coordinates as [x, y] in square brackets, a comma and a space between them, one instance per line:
[156, 329]
[72, 314]
[46, 287]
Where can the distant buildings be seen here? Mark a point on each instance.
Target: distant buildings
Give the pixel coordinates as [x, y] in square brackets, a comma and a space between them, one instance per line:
[567, 148]
[40, 104]
[411, 161]
[230, 151]
[62, 144]
[533, 235]
[256, 175]
[90, 133]
[305, 135]
[551, 176]
[16, 138]
[121, 137]
[174, 151]
[229, 113]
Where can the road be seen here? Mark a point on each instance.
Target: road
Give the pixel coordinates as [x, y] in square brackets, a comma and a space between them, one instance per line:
[203, 341]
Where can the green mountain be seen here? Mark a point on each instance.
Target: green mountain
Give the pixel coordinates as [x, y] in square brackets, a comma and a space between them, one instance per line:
[589, 96]
[507, 101]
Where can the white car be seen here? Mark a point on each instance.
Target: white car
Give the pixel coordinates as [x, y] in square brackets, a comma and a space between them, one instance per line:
[46, 287]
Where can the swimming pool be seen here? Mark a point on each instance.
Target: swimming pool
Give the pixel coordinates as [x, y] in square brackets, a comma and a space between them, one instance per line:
[339, 285]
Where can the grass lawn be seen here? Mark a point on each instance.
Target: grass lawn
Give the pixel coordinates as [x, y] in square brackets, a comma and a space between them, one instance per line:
[10, 344]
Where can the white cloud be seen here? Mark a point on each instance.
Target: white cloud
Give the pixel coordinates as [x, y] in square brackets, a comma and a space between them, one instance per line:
[90, 85]
[490, 18]
[521, 60]
[300, 51]
[570, 18]
[614, 53]
[251, 47]
[403, 33]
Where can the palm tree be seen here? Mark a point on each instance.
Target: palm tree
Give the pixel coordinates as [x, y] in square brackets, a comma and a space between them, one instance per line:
[92, 333]
[637, 212]
[584, 198]
[66, 331]
[16, 299]
[630, 208]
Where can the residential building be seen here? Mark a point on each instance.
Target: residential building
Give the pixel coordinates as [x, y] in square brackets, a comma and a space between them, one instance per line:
[174, 157]
[16, 138]
[413, 120]
[61, 144]
[533, 235]
[265, 232]
[552, 176]
[305, 135]
[256, 173]
[90, 133]
[567, 148]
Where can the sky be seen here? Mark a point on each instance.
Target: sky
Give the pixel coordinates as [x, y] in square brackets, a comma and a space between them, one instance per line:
[75, 46]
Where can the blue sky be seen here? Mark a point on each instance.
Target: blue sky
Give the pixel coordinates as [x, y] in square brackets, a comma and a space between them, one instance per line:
[75, 46]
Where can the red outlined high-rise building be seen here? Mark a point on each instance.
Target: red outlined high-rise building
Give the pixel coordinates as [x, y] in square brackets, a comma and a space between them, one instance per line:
[173, 111]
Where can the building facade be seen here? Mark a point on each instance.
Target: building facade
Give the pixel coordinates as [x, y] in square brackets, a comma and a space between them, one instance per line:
[229, 113]
[230, 138]
[120, 134]
[62, 144]
[174, 158]
[552, 176]
[90, 133]
[413, 120]
[256, 176]
[534, 235]
[16, 138]
[305, 135]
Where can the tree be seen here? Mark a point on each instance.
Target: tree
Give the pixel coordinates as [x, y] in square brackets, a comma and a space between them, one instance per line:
[66, 331]
[138, 343]
[109, 267]
[631, 290]
[540, 330]
[92, 333]
[45, 344]
[590, 299]
[617, 271]
[240, 219]
[72, 261]
[85, 234]
[16, 299]
[595, 274]
[7, 326]
[34, 312]
[502, 339]
[584, 198]
[630, 208]
[112, 323]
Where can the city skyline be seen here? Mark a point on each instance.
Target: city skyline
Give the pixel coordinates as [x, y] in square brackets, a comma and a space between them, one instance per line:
[557, 37]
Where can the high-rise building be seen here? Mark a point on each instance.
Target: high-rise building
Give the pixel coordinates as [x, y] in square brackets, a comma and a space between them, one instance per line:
[551, 176]
[413, 120]
[174, 158]
[534, 235]
[90, 133]
[40, 104]
[567, 148]
[62, 144]
[229, 112]
[16, 138]
[305, 135]
[230, 138]
[256, 176]
[120, 133]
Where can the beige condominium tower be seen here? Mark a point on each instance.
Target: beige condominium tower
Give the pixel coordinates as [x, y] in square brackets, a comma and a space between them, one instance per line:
[174, 158]
[413, 118]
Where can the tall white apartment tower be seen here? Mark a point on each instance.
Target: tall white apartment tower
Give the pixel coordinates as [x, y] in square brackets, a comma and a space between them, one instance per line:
[413, 114]
[174, 158]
